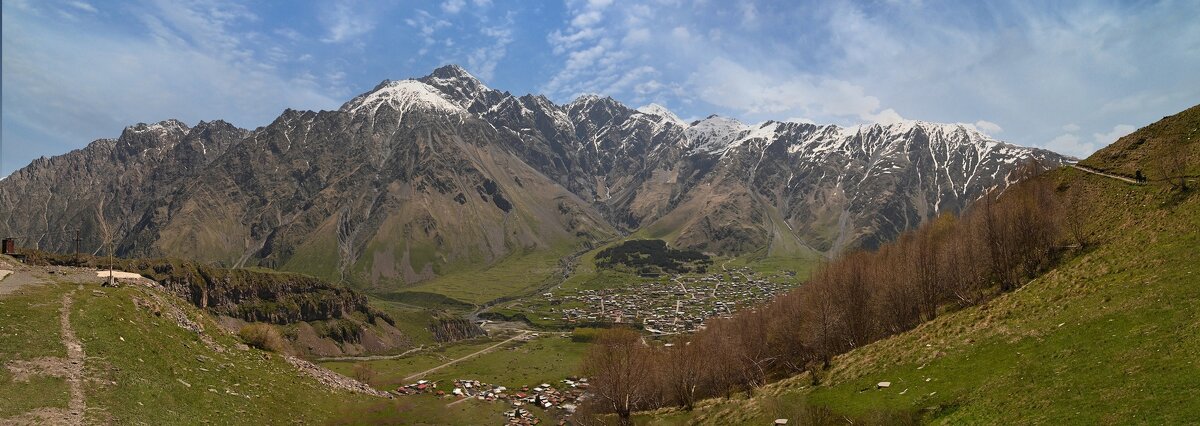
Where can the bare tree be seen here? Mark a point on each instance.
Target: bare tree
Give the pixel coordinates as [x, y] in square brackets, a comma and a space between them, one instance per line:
[754, 356]
[1172, 166]
[685, 372]
[825, 322]
[854, 297]
[997, 238]
[107, 239]
[965, 267]
[925, 268]
[617, 365]
[786, 329]
[891, 275]
[1074, 218]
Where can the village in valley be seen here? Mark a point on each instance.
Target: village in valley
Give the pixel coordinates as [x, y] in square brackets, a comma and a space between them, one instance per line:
[527, 350]
[661, 304]
[668, 304]
[647, 285]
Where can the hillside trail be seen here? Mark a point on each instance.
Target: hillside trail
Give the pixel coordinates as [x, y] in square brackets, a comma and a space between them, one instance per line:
[70, 369]
[474, 354]
[75, 357]
[372, 357]
[1107, 175]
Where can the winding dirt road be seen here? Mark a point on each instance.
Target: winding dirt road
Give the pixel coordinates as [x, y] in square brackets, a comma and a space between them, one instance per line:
[474, 354]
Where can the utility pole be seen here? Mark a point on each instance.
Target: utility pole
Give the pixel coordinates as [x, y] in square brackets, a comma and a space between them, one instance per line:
[110, 265]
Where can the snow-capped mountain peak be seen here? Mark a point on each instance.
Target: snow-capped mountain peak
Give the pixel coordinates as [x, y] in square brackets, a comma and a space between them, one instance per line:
[663, 113]
[946, 129]
[714, 134]
[402, 95]
[454, 72]
[166, 126]
[590, 101]
[462, 88]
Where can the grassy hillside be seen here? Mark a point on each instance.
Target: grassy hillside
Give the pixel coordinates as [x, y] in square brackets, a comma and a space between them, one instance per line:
[141, 366]
[519, 273]
[144, 363]
[1107, 336]
[1150, 148]
[264, 295]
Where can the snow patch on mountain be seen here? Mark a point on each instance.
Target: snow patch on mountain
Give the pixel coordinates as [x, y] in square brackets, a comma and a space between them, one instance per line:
[403, 96]
[462, 88]
[162, 127]
[765, 131]
[713, 135]
[664, 114]
[455, 75]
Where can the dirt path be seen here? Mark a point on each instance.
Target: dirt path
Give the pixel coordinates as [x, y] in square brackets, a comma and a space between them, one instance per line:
[1107, 175]
[75, 358]
[17, 280]
[70, 369]
[458, 401]
[479, 352]
[372, 357]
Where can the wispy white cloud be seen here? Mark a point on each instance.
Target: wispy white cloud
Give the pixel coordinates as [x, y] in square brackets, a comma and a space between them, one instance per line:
[82, 5]
[1112, 135]
[749, 13]
[64, 87]
[605, 50]
[483, 60]
[988, 127]
[756, 92]
[1070, 144]
[617, 51]
[347, 21]
[1031, 66]
[427, 27]
[453, 6]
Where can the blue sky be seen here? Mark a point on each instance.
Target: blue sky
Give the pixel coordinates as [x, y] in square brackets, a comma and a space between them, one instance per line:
[1069, 76]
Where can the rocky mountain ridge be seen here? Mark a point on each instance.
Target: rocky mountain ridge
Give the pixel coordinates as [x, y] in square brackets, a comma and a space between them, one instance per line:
[417, 177]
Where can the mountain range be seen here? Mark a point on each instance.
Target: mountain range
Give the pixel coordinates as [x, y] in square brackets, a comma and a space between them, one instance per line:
[416, 178]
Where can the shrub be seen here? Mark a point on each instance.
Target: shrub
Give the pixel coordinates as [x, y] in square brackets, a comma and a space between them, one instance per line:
[584, 335]
[263, 336]
[363, 372]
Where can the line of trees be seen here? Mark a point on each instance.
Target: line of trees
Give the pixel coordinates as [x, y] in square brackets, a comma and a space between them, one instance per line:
[946, 264]
[652, 256]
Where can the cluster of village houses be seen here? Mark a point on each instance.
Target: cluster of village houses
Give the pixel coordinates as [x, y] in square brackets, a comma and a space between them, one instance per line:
[545, 396]
[671, 304]
[667, 305]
